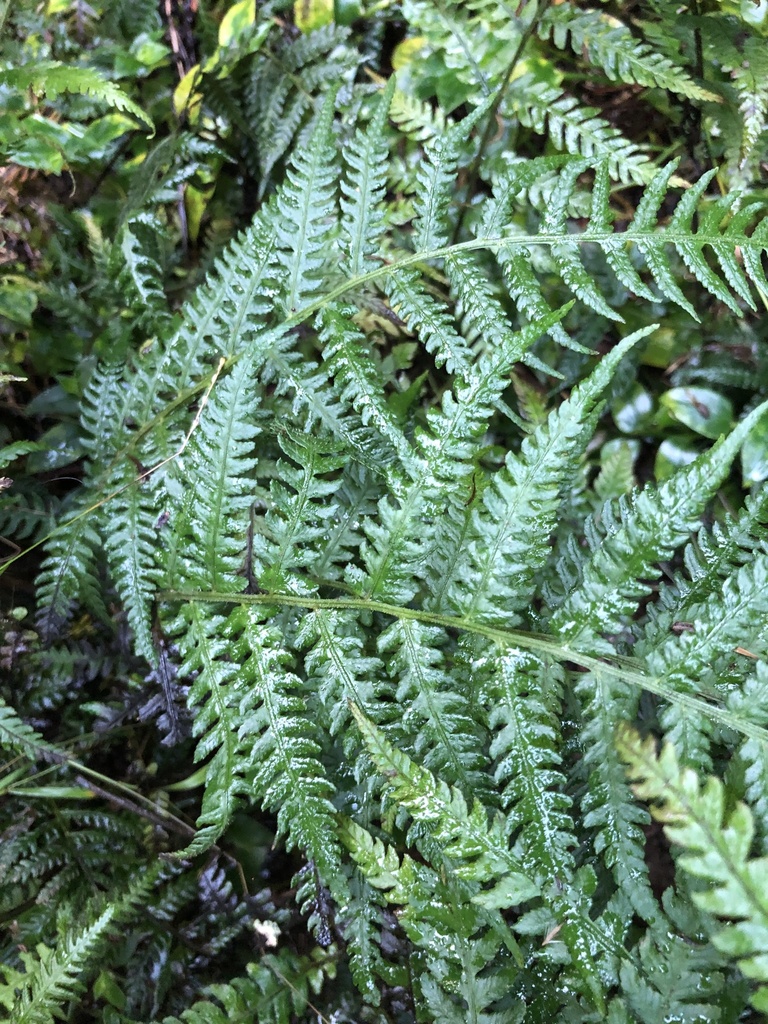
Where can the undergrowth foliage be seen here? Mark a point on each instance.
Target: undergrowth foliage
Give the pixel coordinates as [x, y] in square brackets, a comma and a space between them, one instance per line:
[350, 593]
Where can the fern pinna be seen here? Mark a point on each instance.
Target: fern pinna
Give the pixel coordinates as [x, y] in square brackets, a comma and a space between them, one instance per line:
[358, 583]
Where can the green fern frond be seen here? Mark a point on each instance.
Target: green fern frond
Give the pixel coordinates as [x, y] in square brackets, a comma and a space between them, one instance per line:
[733, 618]
[52, 981]
[715, 848]
[349, 361]
[288, 87]
[431, 319]
[220, 459]
[480, 851]
[141, 274]
[68, 575]
[612, 46]
[132, 552]
[432, 707]
[305, 204]
[19, 738]
[289, 777]
[362, 189]
[337, 666]
[436, 181]
[576, 129]
[215, 697]
[52, 78]
[523, 693]
[659, 522]
[285, 540]
[520, 505]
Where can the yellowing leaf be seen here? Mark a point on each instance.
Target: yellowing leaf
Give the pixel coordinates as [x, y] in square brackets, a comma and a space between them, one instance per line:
[184, 100]
[237, 19]
[311, 14]
[406, 51]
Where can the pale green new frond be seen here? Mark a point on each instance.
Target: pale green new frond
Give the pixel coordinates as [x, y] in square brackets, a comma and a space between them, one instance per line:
[657, 522]
[479, 851]
[511, 530]
[362, 190]
[716, 846]
[378, 862]
[614, 48]
[52, 78]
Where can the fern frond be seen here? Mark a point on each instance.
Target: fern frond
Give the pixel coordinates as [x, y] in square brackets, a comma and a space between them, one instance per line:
[216, 470]
[215, 698]
[433, 714]
[288, 86]
[18, 737]
[614, 818]
[611, 46]
[52, 78]
[289, 777]
[305, 204]
[132, 554]
[656, 524]
[576, 129]
[751, 701]
[349, 362]
[338, 668]
[68, 574]
[464, 835]
[362, 189]
[431, 319]
[252, 719]
[141, 274]
[694, 660]
[52, 980]
[519, 507]
[436, 181]
[715, 848]
[452, 446]
[285, 542]
[524, 698]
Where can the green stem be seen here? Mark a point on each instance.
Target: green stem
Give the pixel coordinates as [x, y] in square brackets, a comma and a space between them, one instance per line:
[619, 668]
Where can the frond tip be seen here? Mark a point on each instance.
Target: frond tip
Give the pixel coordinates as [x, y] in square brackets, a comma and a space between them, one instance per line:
[716, 845]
